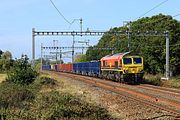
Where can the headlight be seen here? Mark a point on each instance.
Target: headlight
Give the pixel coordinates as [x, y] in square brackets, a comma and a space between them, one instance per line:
[125, 71]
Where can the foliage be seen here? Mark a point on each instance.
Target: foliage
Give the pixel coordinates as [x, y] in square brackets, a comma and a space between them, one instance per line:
[45, 62]
[22, 72]
[56, 62]
[80, 58]
[14, 95]
[152, 79]
[54, 105]
[5, 60]
[173, 83]
[7, 55]
[19, 102]
[151, 48]
[1, 52]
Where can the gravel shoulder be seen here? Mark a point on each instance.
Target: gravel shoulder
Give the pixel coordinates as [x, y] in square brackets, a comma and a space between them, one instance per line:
[118, 106]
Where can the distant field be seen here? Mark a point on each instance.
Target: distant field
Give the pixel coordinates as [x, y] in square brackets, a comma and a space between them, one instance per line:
[2, 77]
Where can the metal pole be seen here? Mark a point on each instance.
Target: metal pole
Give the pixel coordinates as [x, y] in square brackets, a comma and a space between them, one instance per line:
[73, 50]
[41, 56]
[60, 55]
[82, 49]
[167, 55]
[55, 45]
[33, 46]
[81, 23]
[118, 42]
[129, 41]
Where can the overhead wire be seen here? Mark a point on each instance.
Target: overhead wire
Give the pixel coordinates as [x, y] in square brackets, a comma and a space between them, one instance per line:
[152, 9]
[176, 15]
[156, 46]
[60, 12]
[157, 20]
[70, 23]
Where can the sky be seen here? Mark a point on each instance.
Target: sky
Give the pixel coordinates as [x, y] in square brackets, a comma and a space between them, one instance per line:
[18, 17]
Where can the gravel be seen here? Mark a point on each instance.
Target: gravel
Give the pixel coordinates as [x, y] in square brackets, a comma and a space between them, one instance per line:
[120, 107]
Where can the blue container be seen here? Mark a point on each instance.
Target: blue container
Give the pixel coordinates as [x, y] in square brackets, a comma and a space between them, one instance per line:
[46, 67]
[87, 68]
[94, 67]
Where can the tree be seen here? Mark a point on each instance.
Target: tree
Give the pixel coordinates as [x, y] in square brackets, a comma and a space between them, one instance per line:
[1, 52]
[7, 55]
[151, 48]
[22, 72]
[80, 58]
[6, 60]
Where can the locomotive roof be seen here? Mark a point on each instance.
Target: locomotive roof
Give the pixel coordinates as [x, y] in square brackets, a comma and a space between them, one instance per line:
[116, 56]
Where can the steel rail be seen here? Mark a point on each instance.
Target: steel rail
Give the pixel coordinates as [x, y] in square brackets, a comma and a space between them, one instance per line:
[150, 101]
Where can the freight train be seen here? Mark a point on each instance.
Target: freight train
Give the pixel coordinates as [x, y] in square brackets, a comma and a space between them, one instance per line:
[122, 67]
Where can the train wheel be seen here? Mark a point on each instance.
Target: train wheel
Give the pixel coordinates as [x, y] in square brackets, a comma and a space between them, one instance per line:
[135, 78]
[122, 77]
[100, 75]
[104, 75]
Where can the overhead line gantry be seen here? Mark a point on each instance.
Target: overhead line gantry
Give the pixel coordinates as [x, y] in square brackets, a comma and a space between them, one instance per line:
[100, 33]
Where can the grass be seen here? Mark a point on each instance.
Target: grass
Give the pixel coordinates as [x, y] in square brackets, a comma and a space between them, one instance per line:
[41, 100]
[2, 77]
[152, 79]
[173, 82]
[156, 80]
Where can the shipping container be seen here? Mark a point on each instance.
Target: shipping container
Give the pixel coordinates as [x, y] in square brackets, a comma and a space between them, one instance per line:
[66, 67]
[87, 68]
[59, 67]
[46, 67]
[55, 67]
[51, 67]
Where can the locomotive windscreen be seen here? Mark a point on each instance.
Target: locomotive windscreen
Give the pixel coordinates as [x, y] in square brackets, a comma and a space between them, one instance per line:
[127, 61]
[137, 60]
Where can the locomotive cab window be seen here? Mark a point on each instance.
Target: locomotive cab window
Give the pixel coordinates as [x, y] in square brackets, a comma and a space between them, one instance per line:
[116, 64]
[127, 61]
[120, 63]
[104, 64]
[137, 60]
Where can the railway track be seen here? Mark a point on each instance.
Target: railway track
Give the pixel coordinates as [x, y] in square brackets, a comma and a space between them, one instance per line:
[171, 91]
[170, 106]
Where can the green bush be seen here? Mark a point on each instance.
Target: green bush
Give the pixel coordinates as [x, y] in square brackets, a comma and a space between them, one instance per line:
[22, 72]
[47, 81]
[55, 105]
[30, 102]
[152, 79]
[13, 96]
